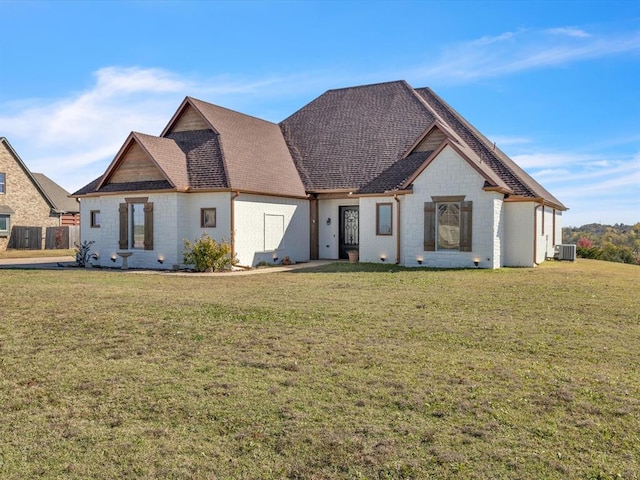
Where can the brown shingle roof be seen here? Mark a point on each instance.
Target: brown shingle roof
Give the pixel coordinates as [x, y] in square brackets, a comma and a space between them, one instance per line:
[357, 138]
[168, 156]
[254, 153]
[347, 137]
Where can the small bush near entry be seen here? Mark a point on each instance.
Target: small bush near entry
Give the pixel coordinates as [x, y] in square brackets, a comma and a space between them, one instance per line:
[208, 255]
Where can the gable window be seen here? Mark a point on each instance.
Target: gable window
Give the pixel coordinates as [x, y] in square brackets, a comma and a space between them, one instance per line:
[207, 218]
[95, 218]
[3, 182]
[384, 219]
[136, 224]
[4, 225]
[447, 224]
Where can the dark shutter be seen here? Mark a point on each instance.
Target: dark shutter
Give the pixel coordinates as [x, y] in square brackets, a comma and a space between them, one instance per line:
[429, 226]
[124, 226]
[466, 224]
[148, 226]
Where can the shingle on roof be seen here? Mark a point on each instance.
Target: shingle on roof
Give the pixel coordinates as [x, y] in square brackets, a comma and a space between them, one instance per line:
[168, 156]
[254, 153]
[347, 137]
[58, 195]
[394, 176]
[204, 159]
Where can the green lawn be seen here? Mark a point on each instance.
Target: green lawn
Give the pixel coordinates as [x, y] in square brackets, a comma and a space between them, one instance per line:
[347, 371]
[37, 253]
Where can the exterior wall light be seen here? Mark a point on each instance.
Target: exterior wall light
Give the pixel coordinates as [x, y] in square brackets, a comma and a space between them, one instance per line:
[160, 259]
[113, 257]
[275, 257]
[476, 261]
[329, 221]
[420, 260]
[383, 257]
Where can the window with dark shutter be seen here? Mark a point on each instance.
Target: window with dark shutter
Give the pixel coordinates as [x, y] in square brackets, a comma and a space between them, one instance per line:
[429, 226]
[124, 226]
[448, 224]
[148, 226]
[466, 223]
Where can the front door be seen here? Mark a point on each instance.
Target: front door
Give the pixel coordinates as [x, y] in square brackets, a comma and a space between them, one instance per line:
[349, 229]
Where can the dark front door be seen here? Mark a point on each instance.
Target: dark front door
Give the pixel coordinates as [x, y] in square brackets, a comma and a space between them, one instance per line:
[349, 229]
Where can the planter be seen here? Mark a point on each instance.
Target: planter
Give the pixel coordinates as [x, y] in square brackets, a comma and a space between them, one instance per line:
[353, 256]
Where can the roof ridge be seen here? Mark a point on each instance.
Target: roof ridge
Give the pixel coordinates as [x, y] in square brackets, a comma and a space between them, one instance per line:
[369, 85]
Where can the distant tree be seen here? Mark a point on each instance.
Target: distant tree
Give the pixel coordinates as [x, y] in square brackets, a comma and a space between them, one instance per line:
[612, 243]
[584, 242]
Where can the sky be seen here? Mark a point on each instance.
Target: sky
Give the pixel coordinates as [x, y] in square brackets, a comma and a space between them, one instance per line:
[555, 84]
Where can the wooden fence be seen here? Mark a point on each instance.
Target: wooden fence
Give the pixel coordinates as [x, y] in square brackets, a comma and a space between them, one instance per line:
[30, 238]
[62, 237]
[26, 238]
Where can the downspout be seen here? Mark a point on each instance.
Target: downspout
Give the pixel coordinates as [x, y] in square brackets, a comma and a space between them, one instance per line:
[535, 232]
[233, 225]
[395, 197]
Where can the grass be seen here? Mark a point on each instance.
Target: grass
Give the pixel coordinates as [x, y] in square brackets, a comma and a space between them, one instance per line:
[37, 253]
[345, 371]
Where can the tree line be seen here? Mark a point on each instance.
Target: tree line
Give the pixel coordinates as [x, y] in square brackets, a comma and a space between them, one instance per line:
[612, 243]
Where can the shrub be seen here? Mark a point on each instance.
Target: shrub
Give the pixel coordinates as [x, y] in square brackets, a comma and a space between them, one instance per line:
[83, 252]
[207, 254]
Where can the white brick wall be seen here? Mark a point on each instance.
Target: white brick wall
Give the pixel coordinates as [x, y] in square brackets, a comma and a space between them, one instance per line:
[449, 174]
[250, 211]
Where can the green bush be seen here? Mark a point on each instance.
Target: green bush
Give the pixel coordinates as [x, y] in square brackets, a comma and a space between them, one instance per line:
[207, 254]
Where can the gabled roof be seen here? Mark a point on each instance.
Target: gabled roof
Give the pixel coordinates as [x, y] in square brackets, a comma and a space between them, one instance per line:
[364, 139]
[56, 197]
[254, 156]
[515, 177]
[235, 152]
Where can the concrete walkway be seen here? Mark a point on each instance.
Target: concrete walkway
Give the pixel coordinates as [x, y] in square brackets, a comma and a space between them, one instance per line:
[58, 263]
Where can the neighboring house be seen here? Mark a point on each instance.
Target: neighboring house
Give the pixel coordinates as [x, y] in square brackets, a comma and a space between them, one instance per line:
[386, 170]
[30, 199]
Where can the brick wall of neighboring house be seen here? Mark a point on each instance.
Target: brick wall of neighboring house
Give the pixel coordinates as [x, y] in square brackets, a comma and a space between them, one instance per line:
[30, 209]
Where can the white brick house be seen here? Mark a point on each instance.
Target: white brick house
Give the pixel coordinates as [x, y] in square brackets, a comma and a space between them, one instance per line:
[386, 170]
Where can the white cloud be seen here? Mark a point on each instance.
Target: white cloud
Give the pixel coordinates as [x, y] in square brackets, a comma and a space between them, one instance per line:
[569, 31]
[513, 52]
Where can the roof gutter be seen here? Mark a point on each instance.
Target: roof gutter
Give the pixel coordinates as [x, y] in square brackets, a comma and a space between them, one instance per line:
[395, 197]
[233, 225]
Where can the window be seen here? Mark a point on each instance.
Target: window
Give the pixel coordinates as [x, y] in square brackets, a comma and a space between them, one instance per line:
[384, 219]
[4, 225]
[136, 224]
[95, 218]
[3, 182]
[448, 224]
[207, 217]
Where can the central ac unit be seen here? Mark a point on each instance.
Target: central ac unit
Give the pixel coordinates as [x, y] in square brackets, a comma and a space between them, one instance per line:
[565, 252]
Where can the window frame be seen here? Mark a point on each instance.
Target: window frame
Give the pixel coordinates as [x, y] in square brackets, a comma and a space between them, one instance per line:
[203, 217]
[378, 215]
[3, 183]
[126, 212]
[5, 232]
[94, 218]
[444, 209]
[431, 228]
